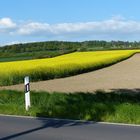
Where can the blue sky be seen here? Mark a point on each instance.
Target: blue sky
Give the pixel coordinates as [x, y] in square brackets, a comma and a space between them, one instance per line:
[73, 20]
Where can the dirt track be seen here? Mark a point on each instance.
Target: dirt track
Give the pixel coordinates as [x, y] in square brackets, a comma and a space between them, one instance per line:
[124, 75]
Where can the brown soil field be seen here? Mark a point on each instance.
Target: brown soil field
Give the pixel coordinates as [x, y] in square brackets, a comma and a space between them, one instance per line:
[123, 75]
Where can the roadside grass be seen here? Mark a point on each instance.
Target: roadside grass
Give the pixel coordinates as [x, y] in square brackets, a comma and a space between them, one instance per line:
[115, 106]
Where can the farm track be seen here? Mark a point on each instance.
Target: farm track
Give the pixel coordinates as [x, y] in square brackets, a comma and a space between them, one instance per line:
[123, 75]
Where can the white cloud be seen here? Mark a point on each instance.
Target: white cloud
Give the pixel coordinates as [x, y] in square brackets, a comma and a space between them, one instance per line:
[114, 28]
[97, 27]
[7, 23]
[32, 28]
[7, 26]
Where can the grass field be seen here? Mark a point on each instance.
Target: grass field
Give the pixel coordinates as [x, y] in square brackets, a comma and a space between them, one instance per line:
[9, 57]
[103, 106]
[61, 66]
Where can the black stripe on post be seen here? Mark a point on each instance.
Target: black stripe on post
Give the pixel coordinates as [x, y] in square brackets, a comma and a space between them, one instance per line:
[27, 87]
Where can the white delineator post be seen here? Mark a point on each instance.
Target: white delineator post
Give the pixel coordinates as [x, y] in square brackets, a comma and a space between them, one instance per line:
[27, 93]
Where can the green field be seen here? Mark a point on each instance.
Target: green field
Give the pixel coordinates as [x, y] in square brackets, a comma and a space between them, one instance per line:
[119, 106]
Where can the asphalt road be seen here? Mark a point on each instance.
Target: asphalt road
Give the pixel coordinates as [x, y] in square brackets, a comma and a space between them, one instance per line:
[19, 128]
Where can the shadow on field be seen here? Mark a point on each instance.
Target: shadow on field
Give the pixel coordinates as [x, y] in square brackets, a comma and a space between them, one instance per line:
[127, 91]
[88, 106]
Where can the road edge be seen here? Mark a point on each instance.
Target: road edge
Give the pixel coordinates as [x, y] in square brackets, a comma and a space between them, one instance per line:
[43, 118]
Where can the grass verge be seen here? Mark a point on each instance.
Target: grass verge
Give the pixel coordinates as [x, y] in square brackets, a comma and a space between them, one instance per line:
[116, 106]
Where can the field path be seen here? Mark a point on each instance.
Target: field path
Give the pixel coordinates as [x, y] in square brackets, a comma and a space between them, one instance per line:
[123, 75]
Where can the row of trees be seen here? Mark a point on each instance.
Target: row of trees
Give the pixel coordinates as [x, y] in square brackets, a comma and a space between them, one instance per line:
[73, 46]
[40, 46]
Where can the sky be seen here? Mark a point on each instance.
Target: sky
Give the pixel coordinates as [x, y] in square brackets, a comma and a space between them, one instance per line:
[68, 20]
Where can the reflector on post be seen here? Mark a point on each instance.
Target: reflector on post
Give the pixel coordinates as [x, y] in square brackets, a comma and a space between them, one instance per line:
[27, 93]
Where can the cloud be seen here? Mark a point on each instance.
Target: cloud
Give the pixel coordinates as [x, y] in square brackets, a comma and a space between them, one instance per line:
[114, 28]
[33, 28]
[7, 23]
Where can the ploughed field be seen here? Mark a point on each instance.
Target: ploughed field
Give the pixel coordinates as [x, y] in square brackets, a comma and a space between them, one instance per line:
[123, 75]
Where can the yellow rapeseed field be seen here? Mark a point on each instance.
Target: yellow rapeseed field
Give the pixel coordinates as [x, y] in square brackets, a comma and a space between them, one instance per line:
[61, 66]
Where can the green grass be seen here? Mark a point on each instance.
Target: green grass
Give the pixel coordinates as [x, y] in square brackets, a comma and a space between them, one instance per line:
[117, 106]
[9, 57]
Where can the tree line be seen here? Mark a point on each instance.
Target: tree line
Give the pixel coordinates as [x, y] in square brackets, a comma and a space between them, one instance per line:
[63, 45]
[54, 48]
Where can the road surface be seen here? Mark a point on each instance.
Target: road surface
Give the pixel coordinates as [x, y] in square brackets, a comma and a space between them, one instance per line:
[19, 128]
